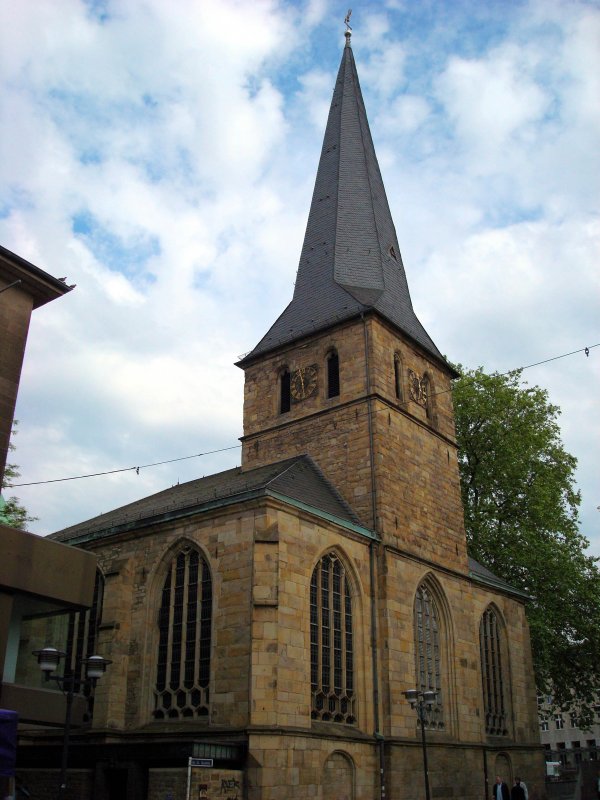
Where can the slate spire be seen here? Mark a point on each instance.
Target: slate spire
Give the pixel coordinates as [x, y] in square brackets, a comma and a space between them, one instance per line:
[350, 261]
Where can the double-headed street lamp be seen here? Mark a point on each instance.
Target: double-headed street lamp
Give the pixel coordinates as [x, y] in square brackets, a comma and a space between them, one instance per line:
[423, 702]
[95, 667]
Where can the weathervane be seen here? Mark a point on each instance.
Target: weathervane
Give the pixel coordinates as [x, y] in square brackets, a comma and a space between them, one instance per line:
[347, 20]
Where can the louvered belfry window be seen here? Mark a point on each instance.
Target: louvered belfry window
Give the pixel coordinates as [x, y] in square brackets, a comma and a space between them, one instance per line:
[285, 395]
[491, 673]
[184, 644]
[331, 643]
[398, 376]
[333, 374]
[427, 648]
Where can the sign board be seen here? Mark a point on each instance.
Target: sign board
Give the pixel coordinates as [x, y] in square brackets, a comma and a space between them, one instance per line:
[201, 762]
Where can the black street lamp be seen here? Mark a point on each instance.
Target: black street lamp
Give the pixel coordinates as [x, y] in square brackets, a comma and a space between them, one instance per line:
[95, 667]
[423, 702]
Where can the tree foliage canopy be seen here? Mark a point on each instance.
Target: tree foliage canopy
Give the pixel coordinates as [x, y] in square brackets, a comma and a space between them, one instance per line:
[521, 517]
[12, 513]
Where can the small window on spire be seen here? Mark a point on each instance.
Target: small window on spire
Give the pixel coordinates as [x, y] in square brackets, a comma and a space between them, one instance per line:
[285, 394]
[333, 374]
[392, 252]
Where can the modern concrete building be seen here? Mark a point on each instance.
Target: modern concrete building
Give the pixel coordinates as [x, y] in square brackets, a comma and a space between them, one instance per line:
[563, 740]
[38, 578]
[265, 622]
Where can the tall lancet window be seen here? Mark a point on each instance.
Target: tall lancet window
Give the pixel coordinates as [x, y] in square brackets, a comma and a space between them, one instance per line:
[184, 639]
[490, 643]
[427, 649]
[331, 643]
[333, 374]
[285, 394]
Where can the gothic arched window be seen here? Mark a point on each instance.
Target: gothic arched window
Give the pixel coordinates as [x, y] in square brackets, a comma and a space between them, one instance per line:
[285, 396]
[428, 652]
[490, 644]
[333, 374]
[331, 643]
[184, 638]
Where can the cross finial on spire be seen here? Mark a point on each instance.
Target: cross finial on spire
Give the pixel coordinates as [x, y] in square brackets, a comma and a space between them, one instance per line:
[348, 32]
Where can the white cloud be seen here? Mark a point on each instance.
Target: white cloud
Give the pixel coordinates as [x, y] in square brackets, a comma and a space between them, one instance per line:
[405, 114]
[374, 26]
[384, 71]
[492, 102]
[315, 96]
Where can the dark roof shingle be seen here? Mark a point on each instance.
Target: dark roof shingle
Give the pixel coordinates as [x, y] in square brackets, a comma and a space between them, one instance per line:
[484, 575]
[350, 261]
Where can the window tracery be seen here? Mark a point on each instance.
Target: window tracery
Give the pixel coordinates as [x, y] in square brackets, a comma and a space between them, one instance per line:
[184, 639]
[492, 674]
[332, 643]
[428, 653]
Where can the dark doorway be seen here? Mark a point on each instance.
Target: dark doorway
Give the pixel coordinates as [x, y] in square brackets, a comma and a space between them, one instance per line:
[116, 784]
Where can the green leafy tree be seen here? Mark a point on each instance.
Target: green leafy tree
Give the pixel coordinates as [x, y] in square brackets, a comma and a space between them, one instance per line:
[521, 517]
[12, 513]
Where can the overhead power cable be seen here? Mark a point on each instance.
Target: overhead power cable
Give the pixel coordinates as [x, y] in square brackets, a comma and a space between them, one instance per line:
[125, 469]
[137, 469]
[585, 350]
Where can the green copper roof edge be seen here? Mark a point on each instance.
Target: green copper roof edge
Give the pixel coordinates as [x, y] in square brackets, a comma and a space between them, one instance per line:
[500, 585]
[325, 515]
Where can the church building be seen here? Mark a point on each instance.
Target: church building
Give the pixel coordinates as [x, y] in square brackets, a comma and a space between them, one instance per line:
[265, 622]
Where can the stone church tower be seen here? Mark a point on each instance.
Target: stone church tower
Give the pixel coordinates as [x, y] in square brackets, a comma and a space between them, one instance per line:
[383, 431]
[268, 619]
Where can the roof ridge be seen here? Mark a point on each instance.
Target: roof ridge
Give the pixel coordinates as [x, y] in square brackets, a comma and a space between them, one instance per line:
[293, 462]
[333, 488]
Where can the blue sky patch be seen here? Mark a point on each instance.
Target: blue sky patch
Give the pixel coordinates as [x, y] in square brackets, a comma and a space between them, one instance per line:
[90, 156]
[98, 9]
[508, 214]
[127, 256]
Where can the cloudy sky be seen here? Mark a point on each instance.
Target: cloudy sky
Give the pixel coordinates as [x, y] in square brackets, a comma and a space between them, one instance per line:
[162, 155]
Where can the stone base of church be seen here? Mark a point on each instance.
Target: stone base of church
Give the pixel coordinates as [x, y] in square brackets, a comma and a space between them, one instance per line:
[287, 766]
[293, 767]
[460, 771]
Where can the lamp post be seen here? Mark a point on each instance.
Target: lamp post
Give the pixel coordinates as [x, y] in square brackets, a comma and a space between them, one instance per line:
[422, 702]
[95, 667]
